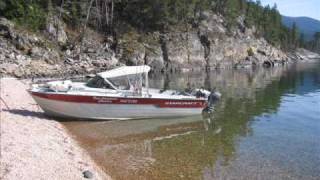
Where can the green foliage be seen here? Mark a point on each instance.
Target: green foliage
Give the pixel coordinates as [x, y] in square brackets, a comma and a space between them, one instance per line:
[2, 7]
[302, 40]
[159, 14]
[75, 15]
[314, 45]
[232, 11]
[28, 13]
[294, 35]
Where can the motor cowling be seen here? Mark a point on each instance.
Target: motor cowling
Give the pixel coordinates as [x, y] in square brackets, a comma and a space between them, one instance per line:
[213, 97]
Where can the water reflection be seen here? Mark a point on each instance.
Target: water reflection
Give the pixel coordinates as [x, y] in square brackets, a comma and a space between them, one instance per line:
[201, 147]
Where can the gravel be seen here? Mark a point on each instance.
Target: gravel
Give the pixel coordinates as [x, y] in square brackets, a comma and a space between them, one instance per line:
[34, 146]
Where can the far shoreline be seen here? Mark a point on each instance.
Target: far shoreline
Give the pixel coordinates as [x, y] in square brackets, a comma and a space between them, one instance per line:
[68, 75]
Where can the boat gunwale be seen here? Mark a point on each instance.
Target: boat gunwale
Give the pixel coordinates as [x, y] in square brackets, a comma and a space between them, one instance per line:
[32, 92]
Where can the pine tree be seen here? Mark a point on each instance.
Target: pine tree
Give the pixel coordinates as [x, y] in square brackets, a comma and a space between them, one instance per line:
[232, 11]
[75, 14]
[302, 40]
[2, 7]
[316, 46]
[294, 35]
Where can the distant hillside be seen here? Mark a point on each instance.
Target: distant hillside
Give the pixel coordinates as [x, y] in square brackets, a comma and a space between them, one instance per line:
[306, 25]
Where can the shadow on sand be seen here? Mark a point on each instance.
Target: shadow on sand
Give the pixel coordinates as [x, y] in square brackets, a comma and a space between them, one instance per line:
[26, 113]
[43, 116]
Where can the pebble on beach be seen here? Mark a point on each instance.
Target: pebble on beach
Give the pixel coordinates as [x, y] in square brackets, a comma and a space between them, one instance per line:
[87, 174]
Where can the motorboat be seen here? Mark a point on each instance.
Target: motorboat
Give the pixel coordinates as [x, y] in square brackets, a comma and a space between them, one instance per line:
[121, 93]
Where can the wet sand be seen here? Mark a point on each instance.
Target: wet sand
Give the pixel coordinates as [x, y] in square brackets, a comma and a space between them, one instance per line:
[34, 146]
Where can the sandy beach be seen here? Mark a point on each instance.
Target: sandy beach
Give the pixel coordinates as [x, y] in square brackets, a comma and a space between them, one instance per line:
[34, 146]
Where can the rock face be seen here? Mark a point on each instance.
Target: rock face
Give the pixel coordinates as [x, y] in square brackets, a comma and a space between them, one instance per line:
[56, 29]
[185, 51]
[206, 45]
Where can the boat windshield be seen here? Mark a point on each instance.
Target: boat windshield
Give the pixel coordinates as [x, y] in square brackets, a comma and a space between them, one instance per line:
[122, 83]
[134, 83]
[99, 82]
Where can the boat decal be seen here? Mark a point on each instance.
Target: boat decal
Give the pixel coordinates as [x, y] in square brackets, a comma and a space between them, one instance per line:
[104, 100]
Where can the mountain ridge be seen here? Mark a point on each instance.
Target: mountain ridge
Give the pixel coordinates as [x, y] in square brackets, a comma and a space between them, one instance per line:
[307, 25]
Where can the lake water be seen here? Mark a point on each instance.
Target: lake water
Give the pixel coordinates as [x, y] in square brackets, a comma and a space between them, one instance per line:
[266, 126]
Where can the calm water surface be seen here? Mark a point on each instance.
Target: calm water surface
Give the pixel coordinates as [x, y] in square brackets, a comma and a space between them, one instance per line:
[267, 126]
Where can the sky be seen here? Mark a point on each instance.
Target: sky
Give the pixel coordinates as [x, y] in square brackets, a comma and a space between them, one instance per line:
[296, 8]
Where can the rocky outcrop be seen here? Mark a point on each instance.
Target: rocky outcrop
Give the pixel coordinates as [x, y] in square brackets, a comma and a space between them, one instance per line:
[304, 55]
[27, 54]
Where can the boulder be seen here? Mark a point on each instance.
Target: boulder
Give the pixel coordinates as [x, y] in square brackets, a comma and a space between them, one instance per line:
[6, 27]
[263, 52]
[68, 52]
[90, 50]
[51, 56]
[56, 29]
[18, 73]
[20, 57]
[8, 68]
[2, 57]
[36, 40]
[62, 35]
[69, 61]
[11, 56]
[36, 52]
[22, 42]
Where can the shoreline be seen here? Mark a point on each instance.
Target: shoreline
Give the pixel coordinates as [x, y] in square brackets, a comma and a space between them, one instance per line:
[34, 146]
[68, 75]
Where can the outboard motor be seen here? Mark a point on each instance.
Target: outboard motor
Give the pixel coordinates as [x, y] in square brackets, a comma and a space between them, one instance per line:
[212, 99]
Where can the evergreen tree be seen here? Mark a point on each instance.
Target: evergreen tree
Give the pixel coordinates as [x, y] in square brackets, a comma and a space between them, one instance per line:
[316, 46]
[302, 40]
[250, 14]
[232, 11]
[284, 37]
[75, 14]
[243, 6]
[2, 7]
[294, 35]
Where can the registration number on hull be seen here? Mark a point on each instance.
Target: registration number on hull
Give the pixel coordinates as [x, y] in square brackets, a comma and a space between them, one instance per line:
[157, 102]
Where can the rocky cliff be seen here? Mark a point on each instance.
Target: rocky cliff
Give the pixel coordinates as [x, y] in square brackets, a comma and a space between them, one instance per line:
[56, 51]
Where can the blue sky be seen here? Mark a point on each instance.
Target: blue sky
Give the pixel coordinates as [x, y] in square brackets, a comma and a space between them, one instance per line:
[309, 8]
